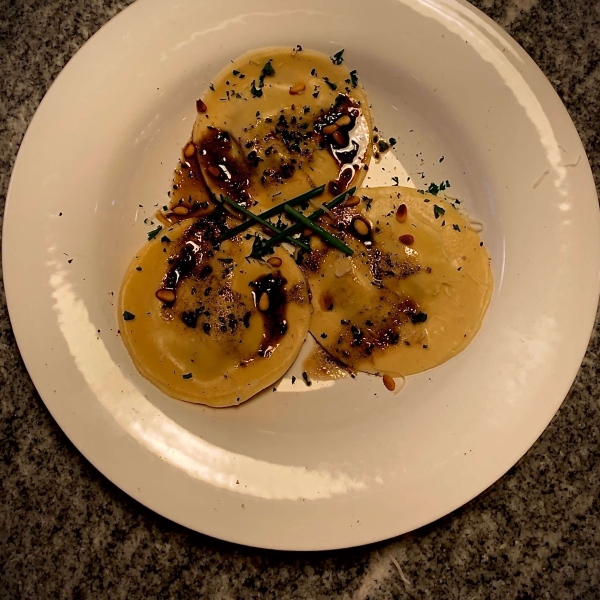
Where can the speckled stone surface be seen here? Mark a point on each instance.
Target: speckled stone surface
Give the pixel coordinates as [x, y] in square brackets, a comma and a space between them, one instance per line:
[66, 532]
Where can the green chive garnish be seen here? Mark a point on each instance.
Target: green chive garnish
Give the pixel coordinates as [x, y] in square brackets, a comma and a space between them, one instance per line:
[276, 210]
[330, 239]
[293, 229]
[264, 223]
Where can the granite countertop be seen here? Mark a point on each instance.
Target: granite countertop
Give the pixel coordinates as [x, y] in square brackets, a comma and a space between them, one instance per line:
[66, 532]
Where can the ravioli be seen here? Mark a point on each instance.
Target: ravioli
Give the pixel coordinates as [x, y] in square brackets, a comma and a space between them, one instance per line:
[277, 122]
[414, 292]
[205, 325]
[208, 321]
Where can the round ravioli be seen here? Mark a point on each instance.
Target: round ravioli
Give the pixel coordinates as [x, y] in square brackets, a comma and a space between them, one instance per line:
[414, 292]
[277, 122]
[206, 325]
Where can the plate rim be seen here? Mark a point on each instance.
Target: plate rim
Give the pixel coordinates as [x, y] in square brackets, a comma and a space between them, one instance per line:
[11, 299]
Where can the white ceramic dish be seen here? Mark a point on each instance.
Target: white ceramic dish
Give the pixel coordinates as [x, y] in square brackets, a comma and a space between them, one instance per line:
[337, 464]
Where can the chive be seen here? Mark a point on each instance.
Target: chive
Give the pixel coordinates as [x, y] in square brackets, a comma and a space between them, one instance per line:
[280, 237]
[276, 210]
[264, 223]
[331, 239]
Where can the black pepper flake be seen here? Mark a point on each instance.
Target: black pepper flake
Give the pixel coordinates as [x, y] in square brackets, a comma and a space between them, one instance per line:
[324, 335]
[187, 376]
[127, 316]
[138, 268]
[293, 380]
[307, 381]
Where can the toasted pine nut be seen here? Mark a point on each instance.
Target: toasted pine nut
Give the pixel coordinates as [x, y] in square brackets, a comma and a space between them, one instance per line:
[389, 382]
[189, 150]
[263, 303]
[181, 210]
[316, 243]
[352, 201]
[275, 261]
[343, 121]
[360, 227]
[338, 137]
[407, 239]
[167, 296]
[200, 106]
[297, 88]
[307, 232]
[214, 171]
[402, 213]
[329, 129]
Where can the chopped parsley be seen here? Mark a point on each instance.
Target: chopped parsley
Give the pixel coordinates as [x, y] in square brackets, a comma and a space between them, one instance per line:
[455, 227]
[152, 234]
[267, 70]
[353, 78]
[393, 141]
[256, 92]
[332, 85]
[438, 211]
[165, 239]
[338, 58]
[212, 87]
[383, 146]
[396, 181]
[187, 375]
[127, 316]
[307, 381]
[433, 189]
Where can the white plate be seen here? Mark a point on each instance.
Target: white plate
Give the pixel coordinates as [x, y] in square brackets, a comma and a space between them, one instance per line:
[333, 465]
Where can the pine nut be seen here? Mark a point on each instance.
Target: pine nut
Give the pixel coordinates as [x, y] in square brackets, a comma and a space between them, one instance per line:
[407, 239]
[200, 106]
[316, 243]
[214, 171]
[343, 121]
[307, 232]
[352, 201]
[275, 261]
[402, 213]
[360, 227]
[181, 210]
[189, 150]
[263, 303]
[329, 129]
[167, 296]
[389, 383]
[297, 88]
[338, 137]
